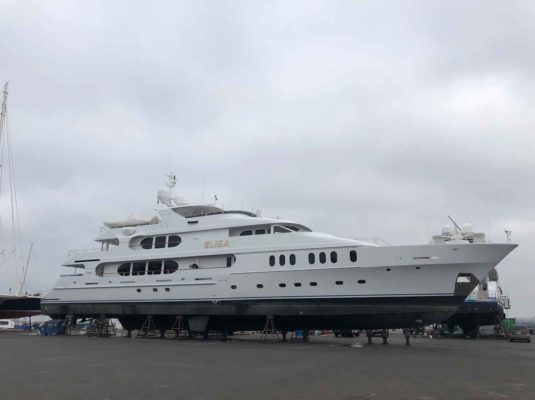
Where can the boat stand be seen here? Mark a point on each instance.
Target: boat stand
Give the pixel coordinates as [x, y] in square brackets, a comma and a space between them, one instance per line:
[270, 331]
[70, 326]
[179, 328]
[102, 327]
[148, 329]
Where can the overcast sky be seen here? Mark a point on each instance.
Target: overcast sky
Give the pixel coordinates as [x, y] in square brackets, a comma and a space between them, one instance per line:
[362, 119]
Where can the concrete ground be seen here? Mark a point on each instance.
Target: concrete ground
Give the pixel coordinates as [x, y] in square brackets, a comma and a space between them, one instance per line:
[34, 367]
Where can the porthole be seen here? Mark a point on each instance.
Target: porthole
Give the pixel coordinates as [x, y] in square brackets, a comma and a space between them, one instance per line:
[353, 255]
[388, 269]
[154, 289]
[313, 283]
[272, 260]
[234, 287]
[361, 281]
[138, 290]
[311, 258]
[297, 284]
[339, 282]
[334, 257]
[259, 286]
[323, 258]
[282, 284]
[417, 267]
[292, 259]
[282, 259]
[167, 289]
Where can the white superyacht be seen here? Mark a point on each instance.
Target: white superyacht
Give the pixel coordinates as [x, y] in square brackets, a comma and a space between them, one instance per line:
[231, 270]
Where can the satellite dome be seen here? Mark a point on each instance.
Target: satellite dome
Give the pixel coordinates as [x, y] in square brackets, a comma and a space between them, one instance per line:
[467, 228]
[446, 230]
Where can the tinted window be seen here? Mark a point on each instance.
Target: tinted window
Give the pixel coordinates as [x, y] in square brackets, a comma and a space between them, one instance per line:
[323, 258]
[246, 233]
[292, 259]
[353, 255]
[297, 284]
[234, 287]
[313, 284]
[259, 286]
[311, 258]
[155, 268]
[260, 232]
[173, 241]
[169, 267]
[160, 242]
[334, 257]
[339, 282]
[272, 260]
[361, 281]
[282, 284]
[138, 268]
[282, 259]
[124, 269]
[146, 243]
[230, 261]
[280, 229]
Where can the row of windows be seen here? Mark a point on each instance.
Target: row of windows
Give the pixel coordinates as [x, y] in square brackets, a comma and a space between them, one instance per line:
[160, 242]
[312, 258]
[154, 290]
[298, 284]
[147, 267]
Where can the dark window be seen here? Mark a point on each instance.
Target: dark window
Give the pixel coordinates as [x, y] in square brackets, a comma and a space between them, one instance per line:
[146, 243]
[353, 255]
[167, 289]
[417, 267]
[313, 284]
[154, 289]
[292, 259]
[361, 281]
[282, 284]
[138, 268]
[323, 258]
[339, 282]
[297, 284]
[155, 268]
[311, 258]
[159, 243]
[234, 287]
[230, 261]
[280, 229]
[169, 266]
[173, 241]
[138, 290]
[282, 259]
[334, 257]
[260, 232]
[246, 233]
[124, 269]
[293, 228]
[272, 260]
[388, 269]
[259, 286]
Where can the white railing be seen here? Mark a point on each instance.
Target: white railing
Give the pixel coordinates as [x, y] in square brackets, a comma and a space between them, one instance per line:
[77, 254]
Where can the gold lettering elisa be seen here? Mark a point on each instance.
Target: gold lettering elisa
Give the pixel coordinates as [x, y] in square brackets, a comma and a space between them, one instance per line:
[210, 244]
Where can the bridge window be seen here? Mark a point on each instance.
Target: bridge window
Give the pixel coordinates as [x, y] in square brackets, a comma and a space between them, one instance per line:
[272, 260]
[173, 241]
[146, 243]
[246, 233]
[260, 232]
[124, 269]
[323, 258]
[292, 259]
[138, 268]
[169, 267]
[155, 268]
[353, 255]
[311, 258]
[159, 243]
[282, 259]
[280, 229]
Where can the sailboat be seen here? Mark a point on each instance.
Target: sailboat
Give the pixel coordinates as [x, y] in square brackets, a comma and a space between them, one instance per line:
[19, 304]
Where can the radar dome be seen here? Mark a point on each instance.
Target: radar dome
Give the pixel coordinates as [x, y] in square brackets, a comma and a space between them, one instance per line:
[165, 197]
[467, 228]
[446, 230]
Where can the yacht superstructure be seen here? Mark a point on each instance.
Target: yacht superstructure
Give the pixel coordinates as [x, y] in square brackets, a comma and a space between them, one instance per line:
[229, 270]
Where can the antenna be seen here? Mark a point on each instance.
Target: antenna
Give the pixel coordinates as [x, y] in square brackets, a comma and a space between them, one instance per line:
[455, 223]
[20, 289]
